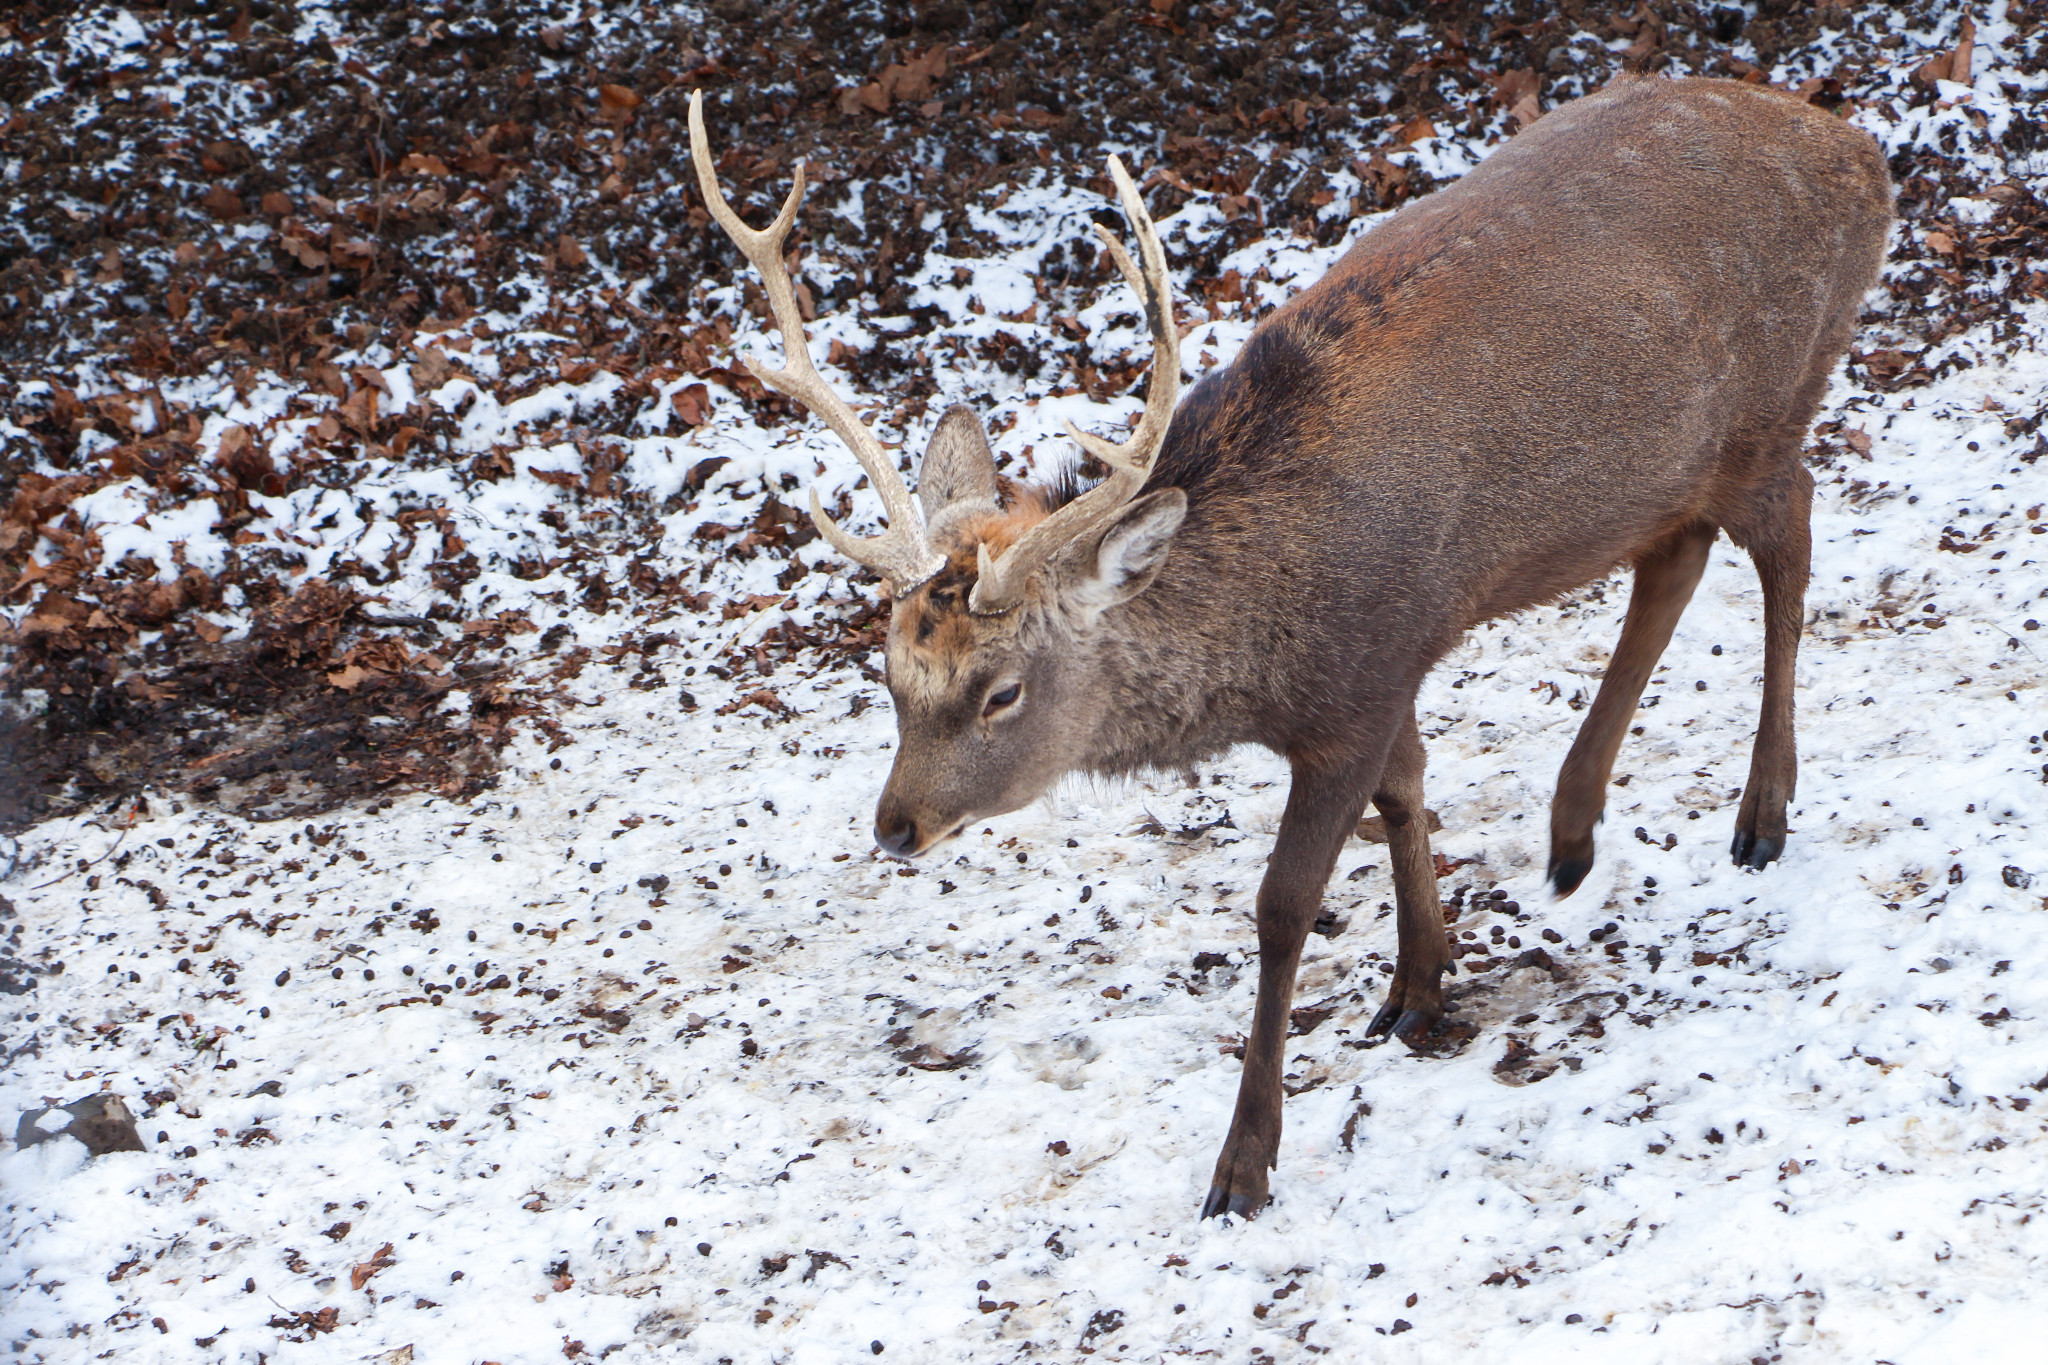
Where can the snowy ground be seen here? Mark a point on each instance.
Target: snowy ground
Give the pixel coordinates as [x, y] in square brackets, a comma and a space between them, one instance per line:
[648, 1055]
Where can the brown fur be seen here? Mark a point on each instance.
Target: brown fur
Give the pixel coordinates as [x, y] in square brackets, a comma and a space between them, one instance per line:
[1599, 349]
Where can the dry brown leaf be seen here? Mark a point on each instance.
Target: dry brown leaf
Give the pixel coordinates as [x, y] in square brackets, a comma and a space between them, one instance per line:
[1414, 131]
[570, 254]
[349, 677]
[222, 202]
[432, 369]
[360, 411]
[1954, 64]
[692, 403]
[424, 163]
[360, 1275]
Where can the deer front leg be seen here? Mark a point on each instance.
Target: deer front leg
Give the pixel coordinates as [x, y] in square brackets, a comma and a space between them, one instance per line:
[1415, 995]
[1322, 809]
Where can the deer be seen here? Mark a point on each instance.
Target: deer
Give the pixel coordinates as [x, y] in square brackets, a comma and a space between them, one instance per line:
[1600, 348]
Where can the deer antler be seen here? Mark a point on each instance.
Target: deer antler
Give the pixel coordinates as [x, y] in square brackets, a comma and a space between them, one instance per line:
[1000, 585]
[901, 554]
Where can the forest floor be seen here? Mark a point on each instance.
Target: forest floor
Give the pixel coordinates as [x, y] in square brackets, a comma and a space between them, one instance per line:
[436, 755]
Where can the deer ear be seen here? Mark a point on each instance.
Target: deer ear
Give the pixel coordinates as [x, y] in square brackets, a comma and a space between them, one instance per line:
[958, 465]
[1130, 553]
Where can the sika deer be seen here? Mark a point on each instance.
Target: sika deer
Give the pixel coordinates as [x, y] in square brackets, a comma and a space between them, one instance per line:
[1601, 347]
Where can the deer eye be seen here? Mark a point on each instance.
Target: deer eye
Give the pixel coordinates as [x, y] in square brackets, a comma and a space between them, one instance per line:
[997, 701]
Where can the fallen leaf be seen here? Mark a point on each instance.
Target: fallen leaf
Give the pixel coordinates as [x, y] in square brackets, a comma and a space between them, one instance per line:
[307, 255]
[360, 1275]
[348, 678]
[692, 403]
[1954, 64]
[222, 202]
[1510, 88]
[570, 254]
[432, 369]
[617, 102]
[1414, 131]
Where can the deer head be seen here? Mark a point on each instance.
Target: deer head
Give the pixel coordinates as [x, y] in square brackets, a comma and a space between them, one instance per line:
[995, 657]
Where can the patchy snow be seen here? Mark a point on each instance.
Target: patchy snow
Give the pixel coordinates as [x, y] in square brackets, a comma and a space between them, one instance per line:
[648, 1055]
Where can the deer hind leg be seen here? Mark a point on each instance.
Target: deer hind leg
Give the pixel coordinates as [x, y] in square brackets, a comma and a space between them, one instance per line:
[1776, 531]
[1415, 999]
[1665, 578]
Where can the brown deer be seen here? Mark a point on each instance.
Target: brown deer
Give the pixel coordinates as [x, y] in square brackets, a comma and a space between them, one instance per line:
[1599, 348]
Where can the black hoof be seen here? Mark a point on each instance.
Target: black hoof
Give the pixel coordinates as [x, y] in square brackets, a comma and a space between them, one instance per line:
[1755, 850]
[1384, 1021]
[1222, 1202]
[1567, 873]
[1414, 1028]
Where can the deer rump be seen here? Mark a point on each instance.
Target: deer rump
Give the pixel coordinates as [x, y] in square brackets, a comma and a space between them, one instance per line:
[1618, 325]
[1601, 347]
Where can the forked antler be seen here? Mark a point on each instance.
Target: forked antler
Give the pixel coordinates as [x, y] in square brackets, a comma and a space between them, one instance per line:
[901, 554]
[1000, 585]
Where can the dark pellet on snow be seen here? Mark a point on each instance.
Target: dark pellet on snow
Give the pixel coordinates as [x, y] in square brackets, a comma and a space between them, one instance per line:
[703, 1248]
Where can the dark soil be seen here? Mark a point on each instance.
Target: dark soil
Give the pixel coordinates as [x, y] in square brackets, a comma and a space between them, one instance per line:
[436, 159]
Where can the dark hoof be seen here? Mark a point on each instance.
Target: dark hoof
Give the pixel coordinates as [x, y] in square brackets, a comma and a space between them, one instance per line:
[1415, 1027]
[1567, 873]
[1222, 1202]
[1755, 850]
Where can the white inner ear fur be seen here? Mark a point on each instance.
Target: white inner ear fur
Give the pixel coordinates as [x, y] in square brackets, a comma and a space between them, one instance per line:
[1130, 553]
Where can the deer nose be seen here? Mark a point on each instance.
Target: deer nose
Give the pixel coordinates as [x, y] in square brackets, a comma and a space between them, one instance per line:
[897, 834]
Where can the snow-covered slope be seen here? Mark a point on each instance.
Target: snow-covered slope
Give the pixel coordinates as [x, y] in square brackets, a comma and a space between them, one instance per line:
[648, 1055]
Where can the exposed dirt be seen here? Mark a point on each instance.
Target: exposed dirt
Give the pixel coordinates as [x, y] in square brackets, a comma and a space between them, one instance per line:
[382, 173]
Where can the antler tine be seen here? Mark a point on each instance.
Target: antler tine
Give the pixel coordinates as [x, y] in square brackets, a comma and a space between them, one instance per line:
[1001, 583]
[902, 554]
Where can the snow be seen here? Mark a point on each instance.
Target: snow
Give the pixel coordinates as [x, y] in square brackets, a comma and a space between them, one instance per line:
[798, 1099]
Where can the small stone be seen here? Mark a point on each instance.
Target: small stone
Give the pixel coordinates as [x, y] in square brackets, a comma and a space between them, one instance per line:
[102, 1122]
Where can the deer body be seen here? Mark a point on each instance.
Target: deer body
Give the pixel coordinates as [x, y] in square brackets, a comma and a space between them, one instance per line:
[1600, 348]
